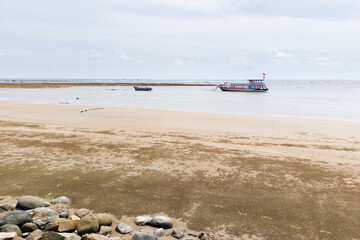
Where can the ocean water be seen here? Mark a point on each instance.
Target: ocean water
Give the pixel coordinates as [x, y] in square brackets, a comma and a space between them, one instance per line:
[319, 99]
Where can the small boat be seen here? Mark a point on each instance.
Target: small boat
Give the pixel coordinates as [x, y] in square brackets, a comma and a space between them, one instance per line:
[254, 85]
[142, 88]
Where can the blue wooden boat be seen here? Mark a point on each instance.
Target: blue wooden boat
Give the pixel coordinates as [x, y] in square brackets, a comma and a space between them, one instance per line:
[142, 88]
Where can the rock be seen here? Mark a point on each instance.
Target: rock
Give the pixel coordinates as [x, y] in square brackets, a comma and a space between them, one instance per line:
[52, 236]
[177, 234]
[161, 222]
[74, 217]
[7, 235]
[42, 219]
[35, 235]
[68, 225]
[89, 224]
[38, 210]
[70, 236]
[17, 217]
[17, 238]
[123, 228]
[206, 236]
[104, 219]
[94, 236]
[61, 199]
[30, 202]
[52, 226]
[105, 230]
[29, 227]
[6, 207]
[144, 236]
[11, 228]
[142, 220]
[82, 212]
[2, 211]
[159, 232]
[64, 213]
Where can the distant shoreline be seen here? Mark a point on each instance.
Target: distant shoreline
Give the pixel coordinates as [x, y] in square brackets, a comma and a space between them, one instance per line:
[64, 85]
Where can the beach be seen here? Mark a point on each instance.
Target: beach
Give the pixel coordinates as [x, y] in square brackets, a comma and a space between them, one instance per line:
[234, 175]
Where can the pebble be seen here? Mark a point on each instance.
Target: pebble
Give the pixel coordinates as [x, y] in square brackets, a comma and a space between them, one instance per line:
[104, 219]
[17, 217]
[159, 232]
[89, 224]
[144, 236]
[29, 227]
[142, 220]
[161, 222]
[42, 219]
[62, 199]
[11, 228]
[30, 202]
[123, 228]
[35, 235]
[105, 230]
[177, 234]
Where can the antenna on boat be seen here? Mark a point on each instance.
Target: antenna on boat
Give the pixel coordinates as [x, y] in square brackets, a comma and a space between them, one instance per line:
[264, 74]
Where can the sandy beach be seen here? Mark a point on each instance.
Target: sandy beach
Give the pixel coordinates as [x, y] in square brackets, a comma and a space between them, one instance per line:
[271, 177]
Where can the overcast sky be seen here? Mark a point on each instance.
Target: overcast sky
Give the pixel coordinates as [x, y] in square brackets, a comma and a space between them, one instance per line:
[180, 39]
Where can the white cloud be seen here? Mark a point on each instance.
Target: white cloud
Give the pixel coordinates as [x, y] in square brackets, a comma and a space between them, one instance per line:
[180, 62]
[2, 55]
[95, 57]
[126, 58]
[326, 62]
[280, 54]
[242, 61]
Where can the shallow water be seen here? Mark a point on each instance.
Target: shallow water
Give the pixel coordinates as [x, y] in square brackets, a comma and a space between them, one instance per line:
[325, 99]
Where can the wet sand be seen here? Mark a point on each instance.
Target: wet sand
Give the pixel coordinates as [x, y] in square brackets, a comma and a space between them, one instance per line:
[234, 175]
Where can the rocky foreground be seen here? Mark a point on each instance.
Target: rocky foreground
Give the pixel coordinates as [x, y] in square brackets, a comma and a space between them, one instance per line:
[33, 218]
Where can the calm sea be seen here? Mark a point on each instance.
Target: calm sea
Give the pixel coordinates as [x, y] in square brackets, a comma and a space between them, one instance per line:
[320, 99]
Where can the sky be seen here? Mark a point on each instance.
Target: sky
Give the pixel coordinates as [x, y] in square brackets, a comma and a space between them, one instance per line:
[180, 39]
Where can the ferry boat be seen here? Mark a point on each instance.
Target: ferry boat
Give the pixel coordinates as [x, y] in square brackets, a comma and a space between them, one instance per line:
[142, 88]
[254, 85]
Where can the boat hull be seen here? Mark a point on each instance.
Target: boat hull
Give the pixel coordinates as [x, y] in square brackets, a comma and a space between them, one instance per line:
[242, 89]
[143, 89]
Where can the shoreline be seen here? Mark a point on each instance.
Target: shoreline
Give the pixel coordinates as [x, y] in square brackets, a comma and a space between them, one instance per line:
[64, 85]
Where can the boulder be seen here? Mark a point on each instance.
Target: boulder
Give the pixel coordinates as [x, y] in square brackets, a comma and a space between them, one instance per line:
[123, 228]
[29, 227]
[17, 217]
[68, 225]
[52, 226]
[177, 234]
[159, 232]
[11, 228]
[6, 207]
[7, 235]
[35, 235]
[144, 236]
[42, 219]
[52, 236]
[89, 224]
[94, 236]
[62, 199]
[161, 222]
[105, 230]
[142, 220]
[17, 238]
[104, 219]
[82, 212]
[30, 202]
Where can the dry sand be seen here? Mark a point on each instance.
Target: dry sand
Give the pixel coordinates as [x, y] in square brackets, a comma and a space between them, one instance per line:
[279, 178]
